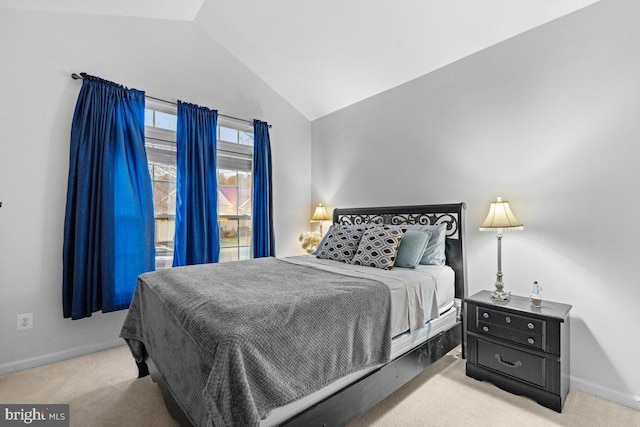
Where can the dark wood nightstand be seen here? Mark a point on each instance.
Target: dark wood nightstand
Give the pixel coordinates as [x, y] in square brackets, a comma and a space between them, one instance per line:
[521, 349]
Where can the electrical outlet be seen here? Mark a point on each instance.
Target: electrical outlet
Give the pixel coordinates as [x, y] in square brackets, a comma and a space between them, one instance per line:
[25, 321]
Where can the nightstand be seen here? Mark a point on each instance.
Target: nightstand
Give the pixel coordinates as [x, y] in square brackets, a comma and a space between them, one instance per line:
[521, 349]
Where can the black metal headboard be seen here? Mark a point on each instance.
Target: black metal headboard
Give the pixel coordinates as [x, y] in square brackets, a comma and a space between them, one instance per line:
[450, 214]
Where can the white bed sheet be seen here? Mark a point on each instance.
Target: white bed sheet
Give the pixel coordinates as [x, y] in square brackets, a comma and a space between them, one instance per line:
[417, 295]
[445, 279]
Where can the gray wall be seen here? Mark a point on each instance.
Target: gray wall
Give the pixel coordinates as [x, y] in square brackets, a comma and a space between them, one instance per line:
[167, 59]
[550, 120]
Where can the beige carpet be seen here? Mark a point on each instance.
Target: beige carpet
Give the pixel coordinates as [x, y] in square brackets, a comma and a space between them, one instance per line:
[102, 390]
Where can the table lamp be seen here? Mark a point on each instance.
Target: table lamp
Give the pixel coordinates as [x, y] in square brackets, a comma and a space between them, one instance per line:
[319, 215]
[499, 219]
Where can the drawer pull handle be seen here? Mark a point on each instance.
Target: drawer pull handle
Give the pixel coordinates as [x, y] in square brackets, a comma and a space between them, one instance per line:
[485, 315]
[515, 364]
[485, 328]
[530, 325]
[531, 340]
[507, 319]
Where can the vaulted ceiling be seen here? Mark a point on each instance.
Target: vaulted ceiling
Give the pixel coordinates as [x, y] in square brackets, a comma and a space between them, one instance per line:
[325, 55]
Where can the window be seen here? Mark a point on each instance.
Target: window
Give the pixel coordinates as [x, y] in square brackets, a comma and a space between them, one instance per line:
[235, 154]
[160, 143]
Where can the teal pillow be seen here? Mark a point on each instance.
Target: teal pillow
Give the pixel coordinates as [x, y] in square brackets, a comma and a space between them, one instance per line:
[434, 253]
[412, 248]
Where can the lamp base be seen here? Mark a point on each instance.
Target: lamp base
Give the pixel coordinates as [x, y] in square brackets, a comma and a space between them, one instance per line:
[501, 296]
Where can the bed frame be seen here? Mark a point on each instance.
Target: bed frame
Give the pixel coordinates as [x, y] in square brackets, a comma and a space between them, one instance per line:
[356, 398]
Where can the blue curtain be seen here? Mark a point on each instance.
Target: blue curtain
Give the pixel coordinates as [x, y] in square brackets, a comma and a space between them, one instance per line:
[263, 237]
[108, 229]
[197, 238]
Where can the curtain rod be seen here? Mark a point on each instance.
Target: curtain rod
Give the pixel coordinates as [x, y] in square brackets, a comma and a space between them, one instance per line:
[76, 76]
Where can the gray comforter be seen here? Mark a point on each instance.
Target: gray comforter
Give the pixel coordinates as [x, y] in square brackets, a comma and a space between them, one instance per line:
[236, 340]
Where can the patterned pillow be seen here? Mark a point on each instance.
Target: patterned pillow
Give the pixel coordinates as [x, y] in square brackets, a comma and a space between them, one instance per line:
[341, 242]
[379, 246]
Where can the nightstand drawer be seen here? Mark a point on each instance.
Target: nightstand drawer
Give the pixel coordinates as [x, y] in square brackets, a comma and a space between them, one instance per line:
[511, 321]
[515, 363]
[529, 339]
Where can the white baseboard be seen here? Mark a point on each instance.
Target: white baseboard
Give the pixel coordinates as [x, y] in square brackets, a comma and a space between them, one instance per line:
[625, 399]
[45, 359]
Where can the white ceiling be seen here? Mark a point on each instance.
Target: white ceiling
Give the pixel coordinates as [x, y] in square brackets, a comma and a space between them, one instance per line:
[325, 55]
[181, 10]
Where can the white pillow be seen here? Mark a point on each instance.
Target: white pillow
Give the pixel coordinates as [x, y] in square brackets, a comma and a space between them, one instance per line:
[434, 254]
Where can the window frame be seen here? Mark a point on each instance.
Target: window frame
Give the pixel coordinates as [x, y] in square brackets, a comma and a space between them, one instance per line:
[160, 146]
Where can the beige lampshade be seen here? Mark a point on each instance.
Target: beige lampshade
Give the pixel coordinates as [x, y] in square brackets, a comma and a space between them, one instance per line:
[500, 217]
[320, 214]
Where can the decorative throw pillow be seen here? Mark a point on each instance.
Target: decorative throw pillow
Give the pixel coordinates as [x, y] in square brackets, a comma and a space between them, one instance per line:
[378, 246]
[342, 242]
[324, 239]
[434, 253]
[412, 248]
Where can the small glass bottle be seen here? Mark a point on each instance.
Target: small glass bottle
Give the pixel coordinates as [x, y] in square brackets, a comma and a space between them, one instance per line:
[535, 297]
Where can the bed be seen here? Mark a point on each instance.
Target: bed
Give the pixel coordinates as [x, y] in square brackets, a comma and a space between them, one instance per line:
[335, 368]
